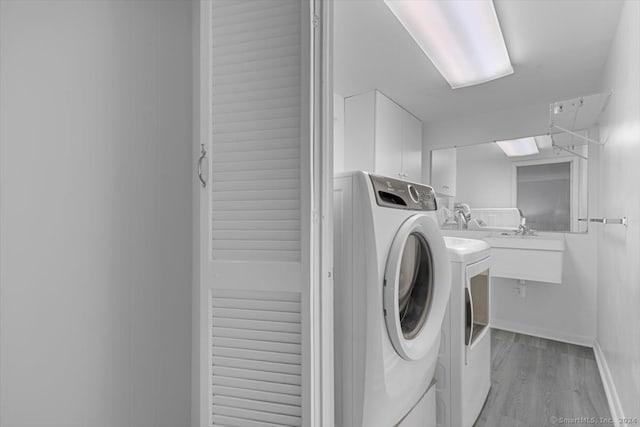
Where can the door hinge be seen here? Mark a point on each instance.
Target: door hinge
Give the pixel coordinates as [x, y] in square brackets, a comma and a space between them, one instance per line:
[316, 21]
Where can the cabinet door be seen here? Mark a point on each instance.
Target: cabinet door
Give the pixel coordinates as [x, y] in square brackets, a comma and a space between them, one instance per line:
[359, 132]
[412, 148]
[443, 171]
[388, 136]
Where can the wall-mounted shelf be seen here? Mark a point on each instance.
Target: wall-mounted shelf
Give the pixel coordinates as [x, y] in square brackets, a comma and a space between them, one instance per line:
[574, 117]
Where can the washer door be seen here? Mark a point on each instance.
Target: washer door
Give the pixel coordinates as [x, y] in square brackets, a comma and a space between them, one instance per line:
[416, 287]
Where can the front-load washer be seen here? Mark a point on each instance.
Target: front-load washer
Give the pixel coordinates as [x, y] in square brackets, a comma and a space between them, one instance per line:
[391, 288]
[463, 373]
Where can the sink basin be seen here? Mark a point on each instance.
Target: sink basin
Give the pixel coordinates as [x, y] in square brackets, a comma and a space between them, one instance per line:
[537, 258]
[464, 245]
[461, 250]
[545, 243]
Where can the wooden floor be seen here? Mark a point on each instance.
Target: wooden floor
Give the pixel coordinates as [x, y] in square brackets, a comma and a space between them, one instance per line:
[537, 382]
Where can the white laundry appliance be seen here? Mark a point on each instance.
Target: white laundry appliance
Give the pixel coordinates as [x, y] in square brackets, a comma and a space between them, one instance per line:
[391, 288]
[463, 372]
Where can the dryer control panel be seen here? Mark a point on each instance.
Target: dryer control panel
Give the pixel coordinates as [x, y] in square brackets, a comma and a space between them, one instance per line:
[399, 194]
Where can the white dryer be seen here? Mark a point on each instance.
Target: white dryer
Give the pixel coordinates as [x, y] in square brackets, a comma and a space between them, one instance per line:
[392, 282]
[463, 372]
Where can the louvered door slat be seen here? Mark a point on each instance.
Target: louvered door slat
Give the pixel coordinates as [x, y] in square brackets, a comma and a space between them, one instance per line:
[224, 421]
[272, 316]
[250, 224]
[257, 135]
[269, 73]
[272, 184]
[284, 235]
[286, 306]
[286, 111]
[221, 111]
[286, 399]
[257, 325]
[282, 41]
[257, 17]
[248, 334]
[271, 387]
[244, 176]
[281, 162]
[262, 194]
[257, 365]
[246, 146]
[244, 205]
[275, 347]
[240, 70]
[232, 7]
[248, 414]
[240, 40]
[239, 402]
[257, 355]
[241, 195]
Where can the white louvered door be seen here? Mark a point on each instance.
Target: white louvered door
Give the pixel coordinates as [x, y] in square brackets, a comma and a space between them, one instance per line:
[255, 213]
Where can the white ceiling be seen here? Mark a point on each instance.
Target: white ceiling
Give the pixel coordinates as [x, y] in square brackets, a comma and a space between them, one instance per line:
[558, 50]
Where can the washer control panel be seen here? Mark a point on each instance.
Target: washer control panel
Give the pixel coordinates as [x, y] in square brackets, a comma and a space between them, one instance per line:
[399, 194]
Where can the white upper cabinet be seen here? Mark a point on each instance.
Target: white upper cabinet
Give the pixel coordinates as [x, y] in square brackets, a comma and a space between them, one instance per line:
[382, 137]
[412, 148]
[387, 144]
[443, 171]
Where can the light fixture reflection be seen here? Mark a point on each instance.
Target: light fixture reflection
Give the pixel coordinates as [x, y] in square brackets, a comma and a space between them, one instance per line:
[519, 147]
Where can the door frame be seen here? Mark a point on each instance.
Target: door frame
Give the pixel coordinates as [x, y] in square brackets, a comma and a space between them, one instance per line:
[318, 404]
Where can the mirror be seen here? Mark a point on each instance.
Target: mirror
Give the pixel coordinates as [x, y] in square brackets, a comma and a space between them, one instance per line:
[493, 186]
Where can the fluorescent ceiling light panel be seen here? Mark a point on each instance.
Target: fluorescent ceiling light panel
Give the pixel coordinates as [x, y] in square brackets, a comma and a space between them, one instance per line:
[519, 147]
[462, 38]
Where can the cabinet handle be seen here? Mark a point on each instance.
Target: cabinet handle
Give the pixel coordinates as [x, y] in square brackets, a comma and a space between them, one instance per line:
[203, 154]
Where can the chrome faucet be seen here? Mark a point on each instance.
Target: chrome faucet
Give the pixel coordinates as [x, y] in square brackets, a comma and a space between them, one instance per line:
[461, 219]
[523, 228]
[463, 215]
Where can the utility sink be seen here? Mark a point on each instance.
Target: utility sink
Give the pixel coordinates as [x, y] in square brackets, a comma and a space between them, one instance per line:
[536, 258]
[548, 243]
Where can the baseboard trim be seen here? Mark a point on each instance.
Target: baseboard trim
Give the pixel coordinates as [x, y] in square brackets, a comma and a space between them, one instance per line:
[609, 386]
[586, 341]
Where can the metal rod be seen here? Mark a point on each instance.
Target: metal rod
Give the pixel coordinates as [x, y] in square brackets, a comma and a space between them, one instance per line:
[605, 221]
[576, 134]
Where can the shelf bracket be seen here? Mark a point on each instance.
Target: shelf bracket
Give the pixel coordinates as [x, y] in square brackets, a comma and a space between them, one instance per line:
[553, 144]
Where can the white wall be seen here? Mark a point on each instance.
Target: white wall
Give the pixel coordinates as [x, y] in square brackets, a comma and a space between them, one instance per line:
[619, 247]
[547, 310]
[95, 195]
[564, 312]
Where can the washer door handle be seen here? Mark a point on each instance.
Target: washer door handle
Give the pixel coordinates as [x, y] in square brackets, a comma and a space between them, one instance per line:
[203, 154]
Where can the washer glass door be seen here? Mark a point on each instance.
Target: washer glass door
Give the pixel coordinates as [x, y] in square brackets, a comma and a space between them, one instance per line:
[415, 285]
[417, 282]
